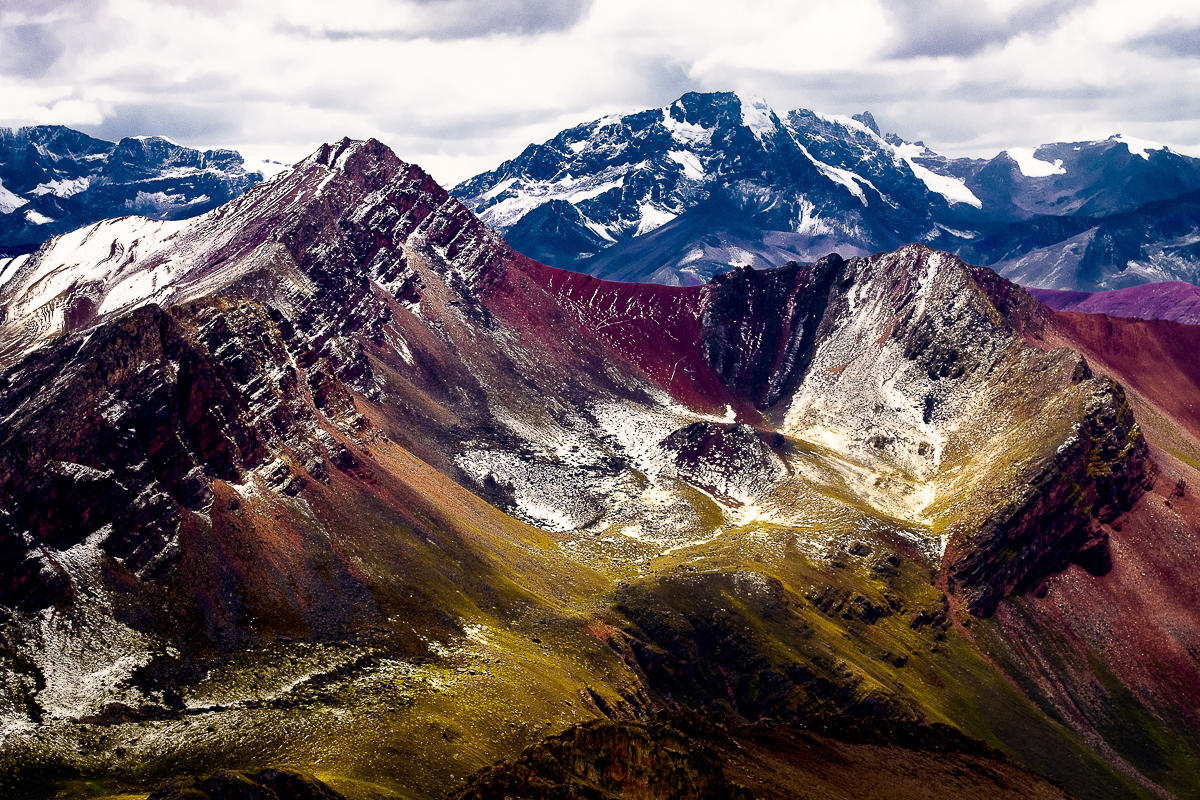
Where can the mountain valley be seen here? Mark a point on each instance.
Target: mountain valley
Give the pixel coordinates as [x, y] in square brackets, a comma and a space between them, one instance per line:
[331, 476]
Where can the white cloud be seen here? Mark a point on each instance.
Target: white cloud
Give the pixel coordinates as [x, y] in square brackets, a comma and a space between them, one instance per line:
[459, 85]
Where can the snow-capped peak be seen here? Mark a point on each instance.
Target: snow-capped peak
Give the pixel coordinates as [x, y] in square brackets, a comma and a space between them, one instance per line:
[757, 115]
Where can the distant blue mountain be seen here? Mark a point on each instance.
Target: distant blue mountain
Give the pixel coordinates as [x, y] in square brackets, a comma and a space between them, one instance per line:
[55, 179]
[713, 181]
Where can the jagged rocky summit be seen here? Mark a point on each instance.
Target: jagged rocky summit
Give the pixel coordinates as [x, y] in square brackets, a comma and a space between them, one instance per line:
[332, 476]
[54, 180]
[714, 181]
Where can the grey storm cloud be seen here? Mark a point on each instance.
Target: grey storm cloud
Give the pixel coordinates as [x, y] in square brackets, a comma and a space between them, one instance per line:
[460, 85]
[31, 32]
[29, 51]
[1172, 39]
[952, 28]
[30, 44]
[441, 20]
[176, 121]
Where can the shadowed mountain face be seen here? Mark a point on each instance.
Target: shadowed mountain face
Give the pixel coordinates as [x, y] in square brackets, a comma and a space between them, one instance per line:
[331, 476]
[716, 181]
[54, 180]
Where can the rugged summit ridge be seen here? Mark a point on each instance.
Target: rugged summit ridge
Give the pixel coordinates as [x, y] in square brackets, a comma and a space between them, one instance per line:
[627, 176]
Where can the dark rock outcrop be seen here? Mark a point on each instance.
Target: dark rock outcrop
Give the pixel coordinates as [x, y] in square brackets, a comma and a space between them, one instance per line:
[118, 435]
[273, 783]
[759, 327]
[606, 761]
[719, 457]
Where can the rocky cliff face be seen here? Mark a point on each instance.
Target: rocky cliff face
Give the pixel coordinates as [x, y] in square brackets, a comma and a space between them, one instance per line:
[140, 421]
[759, 330]
[1060, 507]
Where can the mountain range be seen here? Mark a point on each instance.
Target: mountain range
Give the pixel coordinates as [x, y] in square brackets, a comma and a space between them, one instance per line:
[54, 180]
[332, 477]
[714, 181]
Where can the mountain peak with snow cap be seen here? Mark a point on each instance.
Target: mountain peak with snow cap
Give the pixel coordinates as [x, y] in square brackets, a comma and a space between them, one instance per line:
[718, 180]
[629, 176]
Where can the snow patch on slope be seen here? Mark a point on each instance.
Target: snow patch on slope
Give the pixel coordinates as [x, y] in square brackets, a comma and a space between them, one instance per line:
[953, 189]
[528, 196]
[85, 656]
[1139, 147]
[838, 175]
[9, 202]
[1033, 167]
[692, 168]
[809, 223]
[62, 188]
[757, 116]
[9, 267]
[653, 217]
[684, 132]
[848, 122]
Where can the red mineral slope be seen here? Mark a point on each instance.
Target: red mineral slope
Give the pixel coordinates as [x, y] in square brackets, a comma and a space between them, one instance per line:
[739, 341]
[1156, 359]
[1173, 300]
[653, 327]
[1113, 654]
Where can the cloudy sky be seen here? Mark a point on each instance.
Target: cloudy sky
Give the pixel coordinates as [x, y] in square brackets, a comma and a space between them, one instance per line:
[460, 85]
